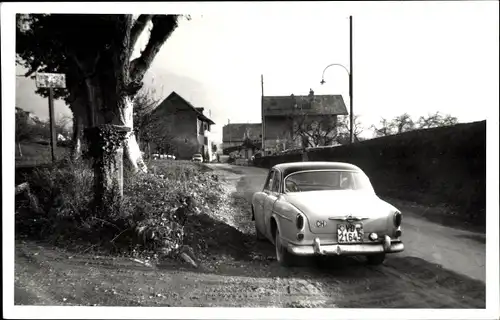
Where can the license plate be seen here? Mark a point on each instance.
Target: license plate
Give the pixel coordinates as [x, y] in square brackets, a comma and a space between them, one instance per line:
[350, 233]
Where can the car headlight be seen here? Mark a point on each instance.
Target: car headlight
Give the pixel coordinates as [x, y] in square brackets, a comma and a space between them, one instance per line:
[397, 218]
[299, 221]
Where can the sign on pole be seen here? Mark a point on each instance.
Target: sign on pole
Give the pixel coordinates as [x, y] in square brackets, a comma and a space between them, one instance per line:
[51, 81]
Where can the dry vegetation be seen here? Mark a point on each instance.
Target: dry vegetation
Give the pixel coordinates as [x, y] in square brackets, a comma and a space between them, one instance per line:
[158, 217]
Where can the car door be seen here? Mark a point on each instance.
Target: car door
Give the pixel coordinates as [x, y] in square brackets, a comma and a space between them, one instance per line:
[260, 201]
[269, 202]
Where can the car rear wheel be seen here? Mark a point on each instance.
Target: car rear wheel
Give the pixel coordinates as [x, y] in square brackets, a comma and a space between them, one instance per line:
[284, 257]
[376, 259]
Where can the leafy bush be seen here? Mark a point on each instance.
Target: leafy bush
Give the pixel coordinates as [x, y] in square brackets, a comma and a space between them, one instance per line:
[151, 218]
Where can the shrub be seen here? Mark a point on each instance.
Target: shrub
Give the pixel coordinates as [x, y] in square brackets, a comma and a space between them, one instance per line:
[151, 217]
[65, 188]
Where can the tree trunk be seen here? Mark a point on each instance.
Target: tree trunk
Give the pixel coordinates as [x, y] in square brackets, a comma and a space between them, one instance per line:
[149, 151]
[105, 134]
[78, 106]
[76, 150]
[133, 154]
[108, 165]
[19, 147]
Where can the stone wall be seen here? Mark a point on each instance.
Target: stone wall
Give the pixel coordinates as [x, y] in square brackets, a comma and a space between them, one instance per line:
[434, 166]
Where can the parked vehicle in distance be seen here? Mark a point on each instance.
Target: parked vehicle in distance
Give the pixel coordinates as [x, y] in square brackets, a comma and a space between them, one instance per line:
[325, 208]
[163, 156]
[197, 157]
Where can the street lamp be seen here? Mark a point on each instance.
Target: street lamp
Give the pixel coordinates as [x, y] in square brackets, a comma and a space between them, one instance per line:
[351, 124]
[351, 117]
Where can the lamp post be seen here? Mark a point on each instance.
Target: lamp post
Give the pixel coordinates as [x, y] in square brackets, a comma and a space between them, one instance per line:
[351, 115]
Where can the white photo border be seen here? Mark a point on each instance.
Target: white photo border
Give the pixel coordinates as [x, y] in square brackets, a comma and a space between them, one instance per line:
[8, 11]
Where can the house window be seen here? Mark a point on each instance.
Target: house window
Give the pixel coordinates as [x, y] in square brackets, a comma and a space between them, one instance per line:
[201, 127]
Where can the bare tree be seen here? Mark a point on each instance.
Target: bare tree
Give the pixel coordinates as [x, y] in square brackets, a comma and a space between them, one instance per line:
[144, 104]
[385, 128]
[399, 124]
[403, 123]
[63, 125]
[312, 130]
[344, 129]
[436, 120]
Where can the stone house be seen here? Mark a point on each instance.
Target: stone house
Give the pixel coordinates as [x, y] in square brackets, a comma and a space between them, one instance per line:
[282, 115]
[242, 138]
[185, 128]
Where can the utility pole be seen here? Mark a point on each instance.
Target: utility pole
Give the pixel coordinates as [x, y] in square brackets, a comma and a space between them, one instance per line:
[51, 81]
[53, 141]
[351, 115]
[262, 113]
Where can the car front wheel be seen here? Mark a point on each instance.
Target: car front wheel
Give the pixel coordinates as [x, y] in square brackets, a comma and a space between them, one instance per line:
[284, 257]
[376, 259]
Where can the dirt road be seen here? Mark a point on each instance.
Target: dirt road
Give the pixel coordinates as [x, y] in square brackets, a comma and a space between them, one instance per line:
[440, 268]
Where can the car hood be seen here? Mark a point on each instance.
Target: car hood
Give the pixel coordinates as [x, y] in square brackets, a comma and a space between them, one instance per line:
[334, 206]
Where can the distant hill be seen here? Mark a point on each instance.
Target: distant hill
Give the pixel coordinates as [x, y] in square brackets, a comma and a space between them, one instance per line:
[27, 116]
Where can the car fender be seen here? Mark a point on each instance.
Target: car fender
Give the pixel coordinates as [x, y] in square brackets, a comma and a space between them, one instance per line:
[276, 218]
[288, 213]
[285, 226]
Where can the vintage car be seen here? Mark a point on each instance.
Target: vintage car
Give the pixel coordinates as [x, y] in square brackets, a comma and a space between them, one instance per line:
[197, 157]
[325, 208]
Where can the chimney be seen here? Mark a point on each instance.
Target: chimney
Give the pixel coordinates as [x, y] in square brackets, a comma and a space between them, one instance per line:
[311, 93]
[200, 110]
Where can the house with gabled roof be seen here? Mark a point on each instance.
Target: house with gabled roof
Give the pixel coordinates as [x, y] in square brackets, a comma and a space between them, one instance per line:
[281, 115]
[184, 126]
[234, 134]
[243, 138]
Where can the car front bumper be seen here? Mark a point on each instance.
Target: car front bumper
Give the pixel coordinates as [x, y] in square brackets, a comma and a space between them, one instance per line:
[387, 246]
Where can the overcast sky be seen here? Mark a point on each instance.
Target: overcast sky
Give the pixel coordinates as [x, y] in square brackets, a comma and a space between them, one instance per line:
[417, 57]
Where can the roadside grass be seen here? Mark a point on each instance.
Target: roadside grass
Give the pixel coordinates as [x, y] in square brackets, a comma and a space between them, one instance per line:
[157, 217]
[34, 154]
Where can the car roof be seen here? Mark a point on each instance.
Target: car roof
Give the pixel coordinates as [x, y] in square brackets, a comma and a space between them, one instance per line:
[291, 167]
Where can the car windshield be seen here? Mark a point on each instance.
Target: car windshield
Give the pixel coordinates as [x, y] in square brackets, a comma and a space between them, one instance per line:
[327, 180]
[197, 155]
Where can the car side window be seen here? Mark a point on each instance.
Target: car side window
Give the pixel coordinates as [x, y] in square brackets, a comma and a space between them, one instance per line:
[269, 181]
[276, 182]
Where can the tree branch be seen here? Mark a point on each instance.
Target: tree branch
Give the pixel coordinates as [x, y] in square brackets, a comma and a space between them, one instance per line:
[138, 28]
[163, 26]
[33, 70]
[83, 66]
